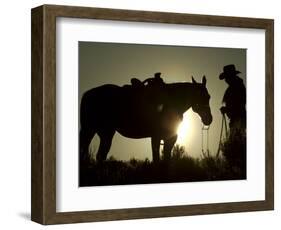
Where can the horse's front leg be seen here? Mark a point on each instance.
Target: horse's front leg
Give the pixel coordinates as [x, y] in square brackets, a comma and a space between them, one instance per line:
[155, 144]
[168, 146]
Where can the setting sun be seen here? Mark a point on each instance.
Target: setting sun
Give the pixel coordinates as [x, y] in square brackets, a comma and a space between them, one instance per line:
[184, 130]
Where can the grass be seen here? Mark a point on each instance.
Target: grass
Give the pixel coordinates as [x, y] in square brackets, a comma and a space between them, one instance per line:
[230, 165]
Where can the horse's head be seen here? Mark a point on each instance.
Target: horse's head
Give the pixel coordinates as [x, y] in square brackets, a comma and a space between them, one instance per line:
[200, 104]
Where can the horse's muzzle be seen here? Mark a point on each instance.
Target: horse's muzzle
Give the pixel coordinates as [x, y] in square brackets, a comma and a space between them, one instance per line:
[208, 120]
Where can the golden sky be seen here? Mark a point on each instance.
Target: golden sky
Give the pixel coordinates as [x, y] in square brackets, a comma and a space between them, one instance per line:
[115, 63]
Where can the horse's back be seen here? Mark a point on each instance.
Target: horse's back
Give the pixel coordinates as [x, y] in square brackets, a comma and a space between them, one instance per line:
[113, 106]
[100, 90]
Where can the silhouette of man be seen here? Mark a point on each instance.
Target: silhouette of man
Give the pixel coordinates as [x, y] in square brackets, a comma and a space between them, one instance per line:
[234, 99]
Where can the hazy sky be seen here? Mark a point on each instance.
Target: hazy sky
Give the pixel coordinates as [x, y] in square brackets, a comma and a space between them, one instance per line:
[115, 63]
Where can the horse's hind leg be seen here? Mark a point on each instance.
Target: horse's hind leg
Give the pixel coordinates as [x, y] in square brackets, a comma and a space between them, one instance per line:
[85, 137]
[168, 145]
[105, 144]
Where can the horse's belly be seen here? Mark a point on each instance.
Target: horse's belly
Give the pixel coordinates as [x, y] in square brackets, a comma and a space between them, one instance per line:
[144, 133]
[132, 133]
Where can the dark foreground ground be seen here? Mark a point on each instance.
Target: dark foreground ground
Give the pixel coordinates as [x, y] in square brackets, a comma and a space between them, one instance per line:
[230, 165]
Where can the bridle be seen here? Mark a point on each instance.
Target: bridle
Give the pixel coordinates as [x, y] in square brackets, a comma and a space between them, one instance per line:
[206, 129]
[223, 127]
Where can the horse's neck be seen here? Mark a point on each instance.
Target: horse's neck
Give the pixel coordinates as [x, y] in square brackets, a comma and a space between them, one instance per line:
[181, 95]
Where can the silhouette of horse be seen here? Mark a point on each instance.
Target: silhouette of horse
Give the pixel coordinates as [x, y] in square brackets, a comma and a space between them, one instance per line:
[139, 113]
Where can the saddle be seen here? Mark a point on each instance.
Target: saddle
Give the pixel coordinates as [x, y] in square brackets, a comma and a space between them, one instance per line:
[146, 97]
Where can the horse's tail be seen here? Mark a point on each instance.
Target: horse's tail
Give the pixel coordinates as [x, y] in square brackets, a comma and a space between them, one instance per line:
[96, 104]
[89, 99]
[83, 110]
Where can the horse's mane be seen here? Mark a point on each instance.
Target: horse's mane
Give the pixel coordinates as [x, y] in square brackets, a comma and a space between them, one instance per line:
[182, 88]
[183, 84]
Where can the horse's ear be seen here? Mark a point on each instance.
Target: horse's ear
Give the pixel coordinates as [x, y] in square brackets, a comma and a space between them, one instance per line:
[204, 80]
[193, 81]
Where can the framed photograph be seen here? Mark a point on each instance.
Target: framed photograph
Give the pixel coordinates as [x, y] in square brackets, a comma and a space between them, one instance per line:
[140, 114]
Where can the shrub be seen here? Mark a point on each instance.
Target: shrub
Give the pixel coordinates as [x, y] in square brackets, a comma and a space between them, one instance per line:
[181, 168]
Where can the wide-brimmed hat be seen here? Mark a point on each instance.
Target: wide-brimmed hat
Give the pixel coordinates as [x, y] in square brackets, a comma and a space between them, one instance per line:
[228, 71]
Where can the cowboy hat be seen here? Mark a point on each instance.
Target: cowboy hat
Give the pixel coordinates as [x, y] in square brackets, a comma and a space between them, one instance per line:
[228, 71]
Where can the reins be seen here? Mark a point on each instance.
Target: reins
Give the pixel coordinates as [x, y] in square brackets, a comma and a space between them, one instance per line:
[223, 126]
[205, 128]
